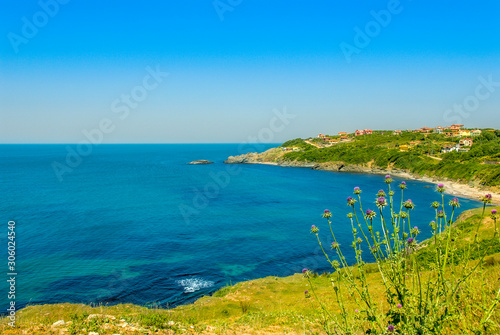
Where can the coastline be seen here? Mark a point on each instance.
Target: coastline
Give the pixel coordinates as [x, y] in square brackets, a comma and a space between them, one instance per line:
[271, 157]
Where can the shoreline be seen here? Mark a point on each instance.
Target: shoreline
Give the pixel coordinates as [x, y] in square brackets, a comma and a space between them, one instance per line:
[452, 187]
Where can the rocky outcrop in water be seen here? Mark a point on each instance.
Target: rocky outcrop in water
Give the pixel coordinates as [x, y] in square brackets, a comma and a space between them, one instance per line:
[200, 162]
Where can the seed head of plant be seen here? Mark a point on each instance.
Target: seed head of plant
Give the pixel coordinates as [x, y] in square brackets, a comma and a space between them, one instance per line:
[408, 204]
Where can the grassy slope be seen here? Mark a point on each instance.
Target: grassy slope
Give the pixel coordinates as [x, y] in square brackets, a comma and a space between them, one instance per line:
[269, 305]
[463, 166]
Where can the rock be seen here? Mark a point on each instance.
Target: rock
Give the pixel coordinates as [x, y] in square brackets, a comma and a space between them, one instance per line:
[101, 316]
[200, 162]
[58, 323]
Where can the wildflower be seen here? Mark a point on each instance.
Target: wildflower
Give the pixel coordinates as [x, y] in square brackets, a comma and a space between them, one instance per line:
[494, 214]
[370, 214]
[454, 202]
[335, 264]
[408, 204]
[335, 245]
[350, 215]
[381, 193]
[304, 270]
[440, 188]
[402, 185]
[435, 204]
[306, 273]
[327, 214]
[359, 240]
[350, 201]
[381, 202]
[357, 190]
[440, 214]
[356, 311]
[314, 229]
[486, 199]
[390, 328]
[306, 293]
[403, 215]
[391, 193]
[373, 250]
[415, 231]
[399, 306]
[410, 240]
[388, 179]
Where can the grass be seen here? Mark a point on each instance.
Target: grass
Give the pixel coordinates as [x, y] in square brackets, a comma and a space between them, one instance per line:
[270, 305]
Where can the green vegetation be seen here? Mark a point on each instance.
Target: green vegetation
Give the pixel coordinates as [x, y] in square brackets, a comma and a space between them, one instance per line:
[416, 152]
[298, 143]
[412, 302]
[275, 305]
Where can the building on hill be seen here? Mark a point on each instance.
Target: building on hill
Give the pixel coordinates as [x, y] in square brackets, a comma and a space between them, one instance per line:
[449, 148]
[342, 133]
[456, 127]
[359, 132]
[368, 131]
[476, 132]
[423, 130]
[464, 133]
[321, 136]
[403, 147]
[466, 142]
[439, 130]
[414, 143]
[397, 132]
[450, 132]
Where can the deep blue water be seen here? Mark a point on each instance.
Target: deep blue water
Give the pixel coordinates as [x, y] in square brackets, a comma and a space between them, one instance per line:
[135, 224]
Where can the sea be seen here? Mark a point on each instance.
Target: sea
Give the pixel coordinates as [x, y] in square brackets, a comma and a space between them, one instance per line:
[134, 223]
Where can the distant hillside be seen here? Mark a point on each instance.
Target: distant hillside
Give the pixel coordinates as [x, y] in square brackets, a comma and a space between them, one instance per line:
[415, 152]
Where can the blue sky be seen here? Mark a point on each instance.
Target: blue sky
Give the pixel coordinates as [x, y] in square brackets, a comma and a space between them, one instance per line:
[232, 63]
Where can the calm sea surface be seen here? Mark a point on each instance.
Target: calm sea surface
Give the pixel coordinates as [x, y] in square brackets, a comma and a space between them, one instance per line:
[135, 224]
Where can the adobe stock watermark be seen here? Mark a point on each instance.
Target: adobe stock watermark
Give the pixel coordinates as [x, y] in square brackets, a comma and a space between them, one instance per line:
[221, 179]
[471, 103]
[223, 6]
[373, 28]
[95, 136]
[31, 26]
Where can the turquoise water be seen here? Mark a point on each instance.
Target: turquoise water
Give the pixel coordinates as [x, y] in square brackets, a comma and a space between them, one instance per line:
[135, 224]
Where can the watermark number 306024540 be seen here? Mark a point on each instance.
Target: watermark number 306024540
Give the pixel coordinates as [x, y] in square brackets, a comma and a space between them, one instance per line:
[11, 273]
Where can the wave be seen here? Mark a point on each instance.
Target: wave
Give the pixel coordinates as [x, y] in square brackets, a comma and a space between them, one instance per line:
[194, 284]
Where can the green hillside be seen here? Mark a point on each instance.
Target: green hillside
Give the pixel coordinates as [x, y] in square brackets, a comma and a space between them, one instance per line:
[418, 153]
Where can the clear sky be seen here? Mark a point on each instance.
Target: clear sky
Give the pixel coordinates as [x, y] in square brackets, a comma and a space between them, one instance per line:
[75, 66]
